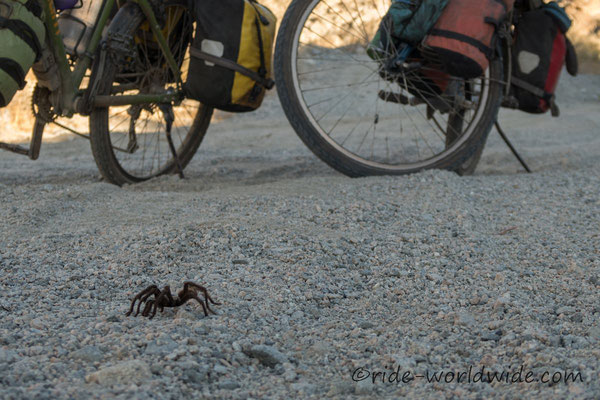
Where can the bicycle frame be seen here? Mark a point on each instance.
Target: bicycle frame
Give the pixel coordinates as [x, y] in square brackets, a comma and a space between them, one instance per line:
[71, 80]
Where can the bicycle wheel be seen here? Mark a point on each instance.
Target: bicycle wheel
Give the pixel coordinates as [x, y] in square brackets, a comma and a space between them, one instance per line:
[367, 117]
[129, 143]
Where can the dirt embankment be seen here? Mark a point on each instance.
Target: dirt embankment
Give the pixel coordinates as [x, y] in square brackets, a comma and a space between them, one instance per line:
[585, 32]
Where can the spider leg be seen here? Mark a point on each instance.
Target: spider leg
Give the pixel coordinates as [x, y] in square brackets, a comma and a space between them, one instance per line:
[154, 292]
[207, 298]
[153, 310]
[148, 307]
[195, 297]
[169, 297]
[186, 286]
[138, 296]
[164, 299]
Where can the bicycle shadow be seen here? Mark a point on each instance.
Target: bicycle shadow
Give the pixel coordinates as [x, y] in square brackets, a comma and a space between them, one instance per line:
[206, 173]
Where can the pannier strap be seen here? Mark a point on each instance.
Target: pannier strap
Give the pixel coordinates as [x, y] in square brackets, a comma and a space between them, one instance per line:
[530, 88]
[536, 91]
[34, 7]
[223, 62]
[24, 32]
[489, 53]
[14, 70]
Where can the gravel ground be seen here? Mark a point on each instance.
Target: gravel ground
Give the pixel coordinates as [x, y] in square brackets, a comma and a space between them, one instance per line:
[319, 274]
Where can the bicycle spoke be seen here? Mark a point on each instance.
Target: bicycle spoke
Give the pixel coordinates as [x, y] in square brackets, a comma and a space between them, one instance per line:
[350, 23]
[343, 29]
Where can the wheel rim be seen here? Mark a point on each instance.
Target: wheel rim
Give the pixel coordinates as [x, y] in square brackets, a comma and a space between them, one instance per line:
[387, 136]
[137, 134]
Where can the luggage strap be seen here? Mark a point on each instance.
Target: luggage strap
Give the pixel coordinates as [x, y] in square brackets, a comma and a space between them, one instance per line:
[223, 62]
[531, 88]
[34, 7]
[14, 70]
[536, 91]
[24, 32]
[487, 51]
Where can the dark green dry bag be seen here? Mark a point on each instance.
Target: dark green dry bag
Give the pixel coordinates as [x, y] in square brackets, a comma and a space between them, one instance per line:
[407, 22]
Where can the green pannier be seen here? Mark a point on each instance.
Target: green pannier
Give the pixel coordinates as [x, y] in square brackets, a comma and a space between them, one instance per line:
[406, 23]
[22, 35]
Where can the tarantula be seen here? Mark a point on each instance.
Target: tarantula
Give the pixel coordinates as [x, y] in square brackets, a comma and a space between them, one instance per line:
[163, 298]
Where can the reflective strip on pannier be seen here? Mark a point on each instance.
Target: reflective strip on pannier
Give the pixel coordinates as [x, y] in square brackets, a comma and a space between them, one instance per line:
[22, 35]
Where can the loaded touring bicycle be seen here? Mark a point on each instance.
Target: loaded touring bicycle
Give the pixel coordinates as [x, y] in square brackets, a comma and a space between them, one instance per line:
[138, 69]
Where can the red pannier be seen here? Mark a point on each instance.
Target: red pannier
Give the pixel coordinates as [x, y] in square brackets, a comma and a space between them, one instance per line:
[540, 52]
[462, 40]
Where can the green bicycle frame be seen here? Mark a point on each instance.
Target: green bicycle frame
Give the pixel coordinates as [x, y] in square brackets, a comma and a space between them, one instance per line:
[71, 80]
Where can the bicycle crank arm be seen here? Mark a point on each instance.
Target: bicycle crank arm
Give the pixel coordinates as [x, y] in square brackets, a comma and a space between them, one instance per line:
[34, 147]
[14, 148]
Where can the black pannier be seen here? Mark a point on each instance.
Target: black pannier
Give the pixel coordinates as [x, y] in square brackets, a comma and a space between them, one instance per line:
[540, 52]
[230, 66]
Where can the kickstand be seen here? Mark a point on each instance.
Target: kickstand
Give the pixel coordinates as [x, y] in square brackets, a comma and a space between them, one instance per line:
[512, 148]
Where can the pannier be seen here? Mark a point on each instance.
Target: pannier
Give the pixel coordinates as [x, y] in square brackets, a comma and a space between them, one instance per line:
[540, 52]
[463, 39]
[230, 67]
[22, 35]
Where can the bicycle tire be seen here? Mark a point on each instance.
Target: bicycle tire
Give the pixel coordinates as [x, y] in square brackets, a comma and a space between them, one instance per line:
[467, 153]
[125, 24]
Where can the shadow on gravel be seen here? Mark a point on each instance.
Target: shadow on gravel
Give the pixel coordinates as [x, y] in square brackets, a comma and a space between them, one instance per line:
[239, 172]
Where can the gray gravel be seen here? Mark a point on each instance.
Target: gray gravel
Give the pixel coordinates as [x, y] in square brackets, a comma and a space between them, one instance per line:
[318, 274]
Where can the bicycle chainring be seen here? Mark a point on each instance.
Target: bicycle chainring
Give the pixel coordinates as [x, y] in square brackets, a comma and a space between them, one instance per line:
[41, 106]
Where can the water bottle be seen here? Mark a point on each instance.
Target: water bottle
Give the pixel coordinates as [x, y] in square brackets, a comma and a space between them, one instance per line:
[77, 25]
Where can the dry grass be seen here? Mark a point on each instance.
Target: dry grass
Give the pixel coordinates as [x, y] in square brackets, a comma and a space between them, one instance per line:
[17, 122]
[585, 32]
[16, 119]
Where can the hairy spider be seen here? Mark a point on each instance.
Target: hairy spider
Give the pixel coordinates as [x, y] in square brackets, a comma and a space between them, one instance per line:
[163, 298]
